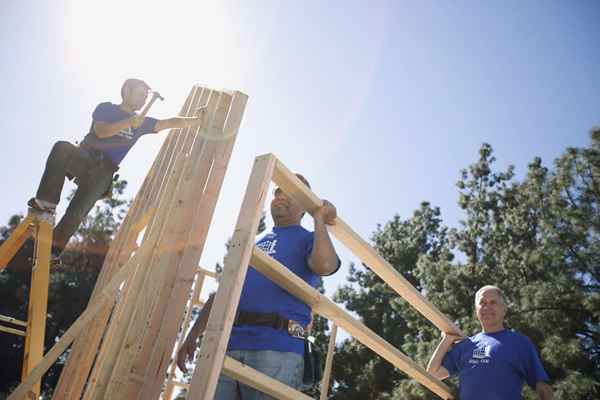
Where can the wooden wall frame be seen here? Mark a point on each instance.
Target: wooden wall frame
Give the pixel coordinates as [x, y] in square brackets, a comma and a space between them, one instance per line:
[212, 360]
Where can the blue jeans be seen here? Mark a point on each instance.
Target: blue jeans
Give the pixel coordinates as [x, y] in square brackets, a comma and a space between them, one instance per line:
[286, 367]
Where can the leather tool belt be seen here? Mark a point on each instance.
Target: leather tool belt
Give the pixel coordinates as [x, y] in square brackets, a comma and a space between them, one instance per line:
[271, 320]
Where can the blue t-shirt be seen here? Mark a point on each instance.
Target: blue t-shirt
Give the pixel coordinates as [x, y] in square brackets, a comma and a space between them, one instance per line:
[493, 366]
[116, 147]
[291, 246]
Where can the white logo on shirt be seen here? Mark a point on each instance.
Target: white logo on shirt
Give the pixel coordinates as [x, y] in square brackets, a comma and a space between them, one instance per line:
[127, 133]
[481, 354]
[268, 246]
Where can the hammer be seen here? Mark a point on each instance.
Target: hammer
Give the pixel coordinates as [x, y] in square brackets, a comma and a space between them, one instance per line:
[155, 95]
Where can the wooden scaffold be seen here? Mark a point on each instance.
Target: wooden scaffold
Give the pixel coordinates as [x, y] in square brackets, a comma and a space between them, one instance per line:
[212, 360]
[124, 340]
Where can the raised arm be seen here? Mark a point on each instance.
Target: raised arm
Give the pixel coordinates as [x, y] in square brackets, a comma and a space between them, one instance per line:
[435, 363]
[183, 122]
[323, 260]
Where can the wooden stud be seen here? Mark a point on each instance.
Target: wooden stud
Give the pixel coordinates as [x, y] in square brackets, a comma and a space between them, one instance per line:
[328, 362]
[297, 190]
[78, 366]
[214, 344]
[320, 304]
[104, 298]
[112, 364]
[227, 121]
[251, 377]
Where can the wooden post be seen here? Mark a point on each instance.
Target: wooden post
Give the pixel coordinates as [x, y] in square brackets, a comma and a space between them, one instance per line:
[76, 371]
[328, 362]
[216, 338]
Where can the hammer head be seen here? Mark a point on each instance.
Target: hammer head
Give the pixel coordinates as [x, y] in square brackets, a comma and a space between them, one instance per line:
[157, 95]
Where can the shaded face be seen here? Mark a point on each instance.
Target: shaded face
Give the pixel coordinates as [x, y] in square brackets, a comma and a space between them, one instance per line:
[490, 308]
[284, 209]
[136, 96]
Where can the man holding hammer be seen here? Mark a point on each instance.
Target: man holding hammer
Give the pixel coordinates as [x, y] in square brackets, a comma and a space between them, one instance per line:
[113, 132]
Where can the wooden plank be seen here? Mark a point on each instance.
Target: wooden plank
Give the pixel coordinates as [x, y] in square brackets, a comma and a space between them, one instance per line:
[325, 307]
[9, 248]
[207, 272]
[161, 351]
[259, 381]
[12, 320]
[115, 338]
[105, 297]
[328, 363]
[296, 189]
[79, 363]
[216, 338]
[171, 379]
[152, 294]
[17, 332]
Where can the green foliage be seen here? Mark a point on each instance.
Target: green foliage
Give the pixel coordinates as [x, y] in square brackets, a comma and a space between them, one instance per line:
[71, 285]
[537, 239]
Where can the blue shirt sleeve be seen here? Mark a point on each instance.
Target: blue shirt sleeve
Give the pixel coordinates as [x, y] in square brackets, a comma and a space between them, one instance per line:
[104, 112]
[147, 126]
[451, 360]
[308, 247]
[534, 370]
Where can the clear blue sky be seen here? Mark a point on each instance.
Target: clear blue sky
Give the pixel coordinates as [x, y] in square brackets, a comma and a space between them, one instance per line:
[380, 104]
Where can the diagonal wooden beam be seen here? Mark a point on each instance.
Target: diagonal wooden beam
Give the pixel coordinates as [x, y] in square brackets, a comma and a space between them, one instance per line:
[285, 179]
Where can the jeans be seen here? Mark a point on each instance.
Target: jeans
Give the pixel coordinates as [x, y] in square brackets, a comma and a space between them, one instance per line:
[94, 178]
[287, 368]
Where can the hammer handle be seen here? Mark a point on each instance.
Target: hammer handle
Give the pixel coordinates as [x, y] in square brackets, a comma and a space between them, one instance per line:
[147, 108]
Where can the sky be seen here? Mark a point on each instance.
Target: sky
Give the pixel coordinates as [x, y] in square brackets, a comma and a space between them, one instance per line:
[379, 104]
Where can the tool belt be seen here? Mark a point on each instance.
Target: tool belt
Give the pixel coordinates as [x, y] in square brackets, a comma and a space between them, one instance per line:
[103, 161]
[270, 320]
[102, 164]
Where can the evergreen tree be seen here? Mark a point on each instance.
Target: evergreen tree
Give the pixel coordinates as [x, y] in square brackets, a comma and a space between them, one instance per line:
[536, 239]
[70, 287]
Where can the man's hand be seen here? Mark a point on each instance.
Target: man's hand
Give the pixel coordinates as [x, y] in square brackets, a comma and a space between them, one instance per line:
[185, 353]
[434, 367]
[450, 339]
[201, 118]
[327, 213]
[136, 121]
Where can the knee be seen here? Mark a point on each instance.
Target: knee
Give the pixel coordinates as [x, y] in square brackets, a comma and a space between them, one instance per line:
[60, 150]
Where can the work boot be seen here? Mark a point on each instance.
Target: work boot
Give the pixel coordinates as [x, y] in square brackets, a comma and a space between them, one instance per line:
[41, 205]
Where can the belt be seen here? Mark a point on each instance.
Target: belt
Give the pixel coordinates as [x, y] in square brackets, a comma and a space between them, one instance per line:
[270, 320]
[99, 156]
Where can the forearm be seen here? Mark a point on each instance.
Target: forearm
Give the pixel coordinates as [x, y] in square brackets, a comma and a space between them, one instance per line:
[324, 260]
[106, 130]
[200, 324]
[175, 123]
[434, 367]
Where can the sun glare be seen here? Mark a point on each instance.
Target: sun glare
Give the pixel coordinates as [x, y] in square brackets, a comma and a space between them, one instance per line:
[115, 37]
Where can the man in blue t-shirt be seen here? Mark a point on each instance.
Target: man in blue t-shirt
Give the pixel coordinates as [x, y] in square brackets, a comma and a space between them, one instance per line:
[270, 322]
[114, 130]
[494, 364]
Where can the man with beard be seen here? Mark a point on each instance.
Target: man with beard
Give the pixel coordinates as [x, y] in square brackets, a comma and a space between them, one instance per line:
[270, 322]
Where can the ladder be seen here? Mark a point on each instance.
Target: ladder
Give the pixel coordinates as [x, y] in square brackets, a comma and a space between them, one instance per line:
[39, 225]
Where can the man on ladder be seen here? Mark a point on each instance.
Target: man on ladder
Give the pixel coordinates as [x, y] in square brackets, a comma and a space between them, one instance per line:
[113, 132]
